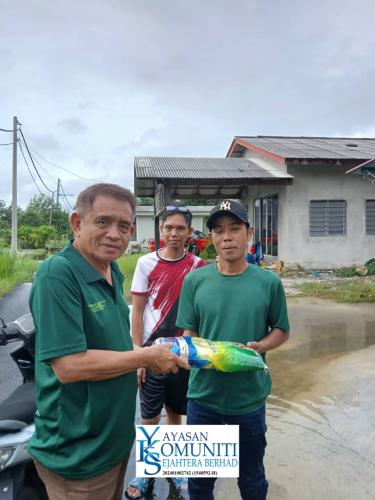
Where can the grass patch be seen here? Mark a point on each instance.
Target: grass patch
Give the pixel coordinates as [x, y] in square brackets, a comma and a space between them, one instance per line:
[127, 265]
[354, 292]
[346, 272]
[22, 271]
[7, 263]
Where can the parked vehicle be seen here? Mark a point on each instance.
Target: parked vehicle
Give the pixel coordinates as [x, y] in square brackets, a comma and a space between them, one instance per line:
[200, 239]
[18, 477]
[195, 244]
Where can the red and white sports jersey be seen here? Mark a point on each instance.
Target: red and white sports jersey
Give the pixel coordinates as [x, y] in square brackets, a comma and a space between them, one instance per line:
[161, 280]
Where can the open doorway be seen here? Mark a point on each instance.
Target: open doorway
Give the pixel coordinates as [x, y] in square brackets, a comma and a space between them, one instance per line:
[266, 224]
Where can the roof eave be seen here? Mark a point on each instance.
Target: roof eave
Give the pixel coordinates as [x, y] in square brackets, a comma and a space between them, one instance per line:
[256, 149]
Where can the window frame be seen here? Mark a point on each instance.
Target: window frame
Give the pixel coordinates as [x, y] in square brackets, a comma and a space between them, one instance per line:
[368, 231]
[330, 218]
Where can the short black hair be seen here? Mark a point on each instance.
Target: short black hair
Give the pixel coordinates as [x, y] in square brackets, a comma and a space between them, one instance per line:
[174, 210]
[87, 197]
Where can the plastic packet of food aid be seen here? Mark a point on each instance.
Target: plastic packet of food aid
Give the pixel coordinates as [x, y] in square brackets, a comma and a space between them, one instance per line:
[220, 355]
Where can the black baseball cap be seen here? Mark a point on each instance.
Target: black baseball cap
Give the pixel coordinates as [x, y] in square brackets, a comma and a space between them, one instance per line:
[228, 207]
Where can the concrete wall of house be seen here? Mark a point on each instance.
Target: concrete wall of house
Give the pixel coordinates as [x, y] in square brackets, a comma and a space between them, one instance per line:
[325, 182]
[145, 227]
[251, 155]
[198, 223]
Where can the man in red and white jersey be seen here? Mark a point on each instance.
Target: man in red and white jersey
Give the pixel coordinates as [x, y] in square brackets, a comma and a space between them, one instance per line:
[156, 290]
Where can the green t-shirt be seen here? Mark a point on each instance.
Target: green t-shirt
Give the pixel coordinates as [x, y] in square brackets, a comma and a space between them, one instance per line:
[82, 429]
[240, 308]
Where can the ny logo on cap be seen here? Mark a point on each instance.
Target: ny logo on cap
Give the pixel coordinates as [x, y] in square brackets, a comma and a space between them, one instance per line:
[225, 205]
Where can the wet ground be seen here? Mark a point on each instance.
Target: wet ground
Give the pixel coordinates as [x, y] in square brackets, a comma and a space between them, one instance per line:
[321, 415]
[12, 306]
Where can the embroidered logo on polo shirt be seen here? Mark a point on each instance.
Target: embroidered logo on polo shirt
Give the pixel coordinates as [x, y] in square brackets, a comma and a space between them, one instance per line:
[97, 306]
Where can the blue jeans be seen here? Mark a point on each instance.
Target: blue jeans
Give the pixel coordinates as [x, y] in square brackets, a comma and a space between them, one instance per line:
[252, 480]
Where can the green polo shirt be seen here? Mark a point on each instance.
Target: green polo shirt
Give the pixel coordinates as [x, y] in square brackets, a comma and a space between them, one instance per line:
[238, 308]
[82, 429]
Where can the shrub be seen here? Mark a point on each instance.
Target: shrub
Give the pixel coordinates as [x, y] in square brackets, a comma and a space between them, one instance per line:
[346, 272]
[209, 251]
[370, 264]
[35, 237]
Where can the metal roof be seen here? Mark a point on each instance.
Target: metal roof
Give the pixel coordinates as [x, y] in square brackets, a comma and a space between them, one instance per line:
[203, 168]
[203, 177]
[322, 148]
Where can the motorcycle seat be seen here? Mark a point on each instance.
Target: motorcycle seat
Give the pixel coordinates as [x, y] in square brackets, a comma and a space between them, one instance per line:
[18, 409]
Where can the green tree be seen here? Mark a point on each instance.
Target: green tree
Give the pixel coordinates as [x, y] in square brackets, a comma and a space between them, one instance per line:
[35, 237]
[145, 201]
[38, 211]
[5, 214]
[200, 203]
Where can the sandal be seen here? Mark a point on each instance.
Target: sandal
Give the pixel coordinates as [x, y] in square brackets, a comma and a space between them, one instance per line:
[180, 483]
[143, 484]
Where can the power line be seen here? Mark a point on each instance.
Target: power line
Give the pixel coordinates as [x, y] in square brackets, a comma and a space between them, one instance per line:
[5, 130]
[6, 144]
[70, 172]
[45, 170]
[66, 199]
[28, 168]
[63, 168]
[32, 161]
[66, 207]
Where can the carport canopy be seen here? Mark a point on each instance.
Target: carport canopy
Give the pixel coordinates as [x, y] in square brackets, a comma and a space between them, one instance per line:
[203, 178]
[170, 178]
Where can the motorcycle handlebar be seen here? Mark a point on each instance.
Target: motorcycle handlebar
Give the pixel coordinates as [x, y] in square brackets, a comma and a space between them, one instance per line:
[9, 333]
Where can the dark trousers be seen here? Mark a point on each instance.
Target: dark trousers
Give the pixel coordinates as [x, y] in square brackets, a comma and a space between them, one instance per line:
[252, 481]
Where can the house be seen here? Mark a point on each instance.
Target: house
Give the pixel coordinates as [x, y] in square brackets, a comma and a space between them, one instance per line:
[304, 208]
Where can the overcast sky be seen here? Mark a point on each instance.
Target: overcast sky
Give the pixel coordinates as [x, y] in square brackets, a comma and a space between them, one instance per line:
[95, 83]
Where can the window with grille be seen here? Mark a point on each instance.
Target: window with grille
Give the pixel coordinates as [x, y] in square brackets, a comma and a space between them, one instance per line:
[327, 218]
[370, 217]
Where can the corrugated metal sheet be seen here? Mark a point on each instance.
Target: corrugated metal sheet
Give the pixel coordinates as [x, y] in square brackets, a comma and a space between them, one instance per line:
[324, 148]
[203, 168]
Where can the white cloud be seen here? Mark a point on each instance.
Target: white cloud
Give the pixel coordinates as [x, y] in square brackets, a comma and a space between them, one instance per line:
[96, 83]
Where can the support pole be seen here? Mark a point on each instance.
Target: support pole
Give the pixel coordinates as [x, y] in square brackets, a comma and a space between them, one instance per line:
[13, 243]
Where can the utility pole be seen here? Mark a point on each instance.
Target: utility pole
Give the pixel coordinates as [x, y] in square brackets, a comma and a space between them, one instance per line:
[13, 244]
[58, 193]
[51, 209]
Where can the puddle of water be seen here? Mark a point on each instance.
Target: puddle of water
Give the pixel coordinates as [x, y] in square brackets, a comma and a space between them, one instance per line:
[321, 414]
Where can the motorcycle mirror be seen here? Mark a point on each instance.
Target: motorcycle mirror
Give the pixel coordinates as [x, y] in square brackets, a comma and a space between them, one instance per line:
[25, 324]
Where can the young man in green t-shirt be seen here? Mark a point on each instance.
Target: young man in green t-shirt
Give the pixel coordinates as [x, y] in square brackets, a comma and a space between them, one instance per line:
[231, 300]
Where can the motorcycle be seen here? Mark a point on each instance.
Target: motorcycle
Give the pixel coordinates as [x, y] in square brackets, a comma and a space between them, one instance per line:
[18, 477]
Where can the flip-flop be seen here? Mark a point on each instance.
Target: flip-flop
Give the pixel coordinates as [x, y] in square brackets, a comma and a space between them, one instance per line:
[180, 482]
[143, 484]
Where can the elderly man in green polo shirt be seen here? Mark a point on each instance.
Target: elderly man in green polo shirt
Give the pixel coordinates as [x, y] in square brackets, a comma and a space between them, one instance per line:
[85, 368]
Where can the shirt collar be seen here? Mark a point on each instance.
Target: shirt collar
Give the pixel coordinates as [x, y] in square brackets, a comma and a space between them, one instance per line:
[89, 273]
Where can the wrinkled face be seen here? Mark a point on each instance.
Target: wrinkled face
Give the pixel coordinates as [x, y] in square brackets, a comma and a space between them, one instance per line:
[103, 233]
[230, 237]
[175, 231]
